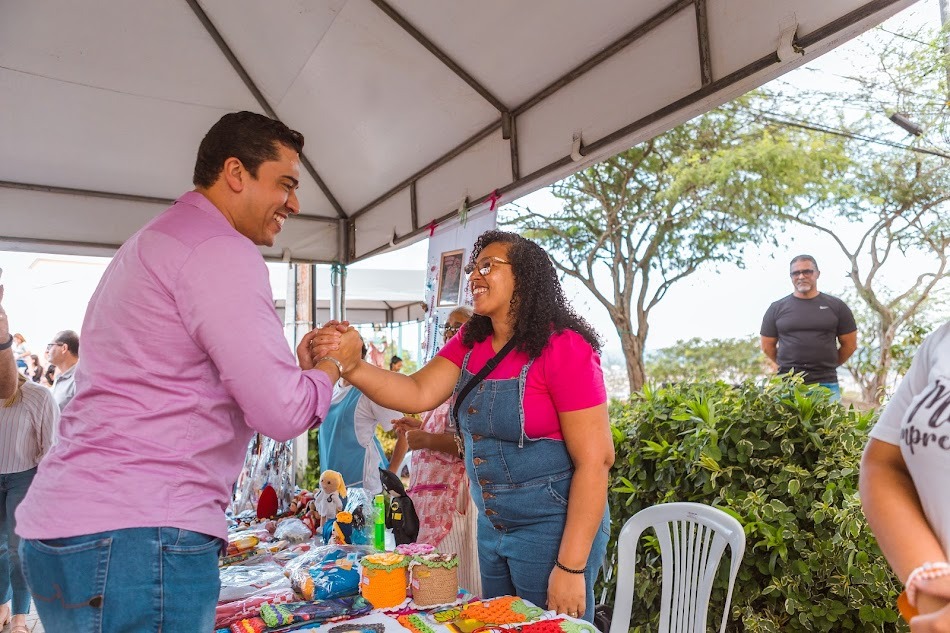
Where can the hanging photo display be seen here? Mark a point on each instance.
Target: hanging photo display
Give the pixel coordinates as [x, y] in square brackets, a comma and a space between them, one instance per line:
[446, 284]
[450, 278]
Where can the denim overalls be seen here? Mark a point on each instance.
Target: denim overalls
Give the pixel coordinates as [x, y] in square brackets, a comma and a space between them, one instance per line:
[521, 488]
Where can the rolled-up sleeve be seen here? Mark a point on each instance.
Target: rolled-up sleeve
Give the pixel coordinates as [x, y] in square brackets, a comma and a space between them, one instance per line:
[49, 423]
[224, 298]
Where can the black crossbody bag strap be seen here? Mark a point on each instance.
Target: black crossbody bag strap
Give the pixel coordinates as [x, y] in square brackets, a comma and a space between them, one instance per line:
[477, 378]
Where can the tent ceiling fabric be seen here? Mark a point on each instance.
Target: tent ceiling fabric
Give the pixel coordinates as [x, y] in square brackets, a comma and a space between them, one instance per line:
[409, 107]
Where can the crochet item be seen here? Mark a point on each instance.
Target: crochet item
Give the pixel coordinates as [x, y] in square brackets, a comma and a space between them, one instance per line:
[358, 628]
[558, 625]
[383, 579]
[415, 623]
[414, 549]
[434, 579]
[281, 615]
[249, 625]
[501, 610]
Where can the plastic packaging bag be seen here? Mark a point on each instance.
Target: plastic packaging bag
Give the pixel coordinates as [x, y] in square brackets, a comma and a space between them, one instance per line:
[227, 613]
[292, 530]
[331, 571]
[243, 581]
[280, 615]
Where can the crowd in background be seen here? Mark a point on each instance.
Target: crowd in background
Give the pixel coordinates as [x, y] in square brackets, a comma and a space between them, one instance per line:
[54, 368]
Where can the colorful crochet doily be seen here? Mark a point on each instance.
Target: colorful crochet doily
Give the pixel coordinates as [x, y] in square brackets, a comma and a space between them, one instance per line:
[501, 610]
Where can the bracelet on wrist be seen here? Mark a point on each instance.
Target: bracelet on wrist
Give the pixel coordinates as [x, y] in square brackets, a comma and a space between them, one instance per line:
[927, 571]
[336, 362]
[7, 345]
[568, 569]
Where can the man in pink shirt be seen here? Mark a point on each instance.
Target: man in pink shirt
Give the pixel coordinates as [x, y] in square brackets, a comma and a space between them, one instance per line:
[183, 360]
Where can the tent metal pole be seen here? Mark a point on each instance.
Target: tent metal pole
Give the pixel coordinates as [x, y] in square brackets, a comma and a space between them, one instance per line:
[337, 291]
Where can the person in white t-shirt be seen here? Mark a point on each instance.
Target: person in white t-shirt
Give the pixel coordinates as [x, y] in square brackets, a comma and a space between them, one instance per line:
[903, 473]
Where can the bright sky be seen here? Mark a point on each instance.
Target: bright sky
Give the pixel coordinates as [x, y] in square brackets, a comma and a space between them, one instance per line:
[48, 293]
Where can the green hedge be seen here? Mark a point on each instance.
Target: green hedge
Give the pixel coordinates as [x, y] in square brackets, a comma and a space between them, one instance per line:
[781, 458]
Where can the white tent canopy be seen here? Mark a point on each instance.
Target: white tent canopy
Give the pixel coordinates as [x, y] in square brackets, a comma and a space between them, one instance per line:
[376, 296]
[410, 108]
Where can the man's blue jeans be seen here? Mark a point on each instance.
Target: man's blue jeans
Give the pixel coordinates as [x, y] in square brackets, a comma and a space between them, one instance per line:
[138, 579]
[835, 390]
[13, 487]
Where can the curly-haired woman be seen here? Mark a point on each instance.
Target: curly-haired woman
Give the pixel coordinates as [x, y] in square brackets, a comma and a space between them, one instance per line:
[535, 434]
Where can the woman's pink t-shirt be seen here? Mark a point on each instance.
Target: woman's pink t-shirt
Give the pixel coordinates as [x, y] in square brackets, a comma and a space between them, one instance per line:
[565, 377]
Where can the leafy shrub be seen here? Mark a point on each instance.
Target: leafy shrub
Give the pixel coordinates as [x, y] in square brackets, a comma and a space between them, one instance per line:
[783, 459]
[730, 360]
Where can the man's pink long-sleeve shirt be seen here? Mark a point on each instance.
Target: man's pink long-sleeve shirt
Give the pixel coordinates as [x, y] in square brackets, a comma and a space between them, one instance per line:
[183, 358]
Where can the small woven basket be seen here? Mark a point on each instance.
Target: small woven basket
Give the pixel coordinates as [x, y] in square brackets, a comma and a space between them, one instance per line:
[434, 579]
[383, 579]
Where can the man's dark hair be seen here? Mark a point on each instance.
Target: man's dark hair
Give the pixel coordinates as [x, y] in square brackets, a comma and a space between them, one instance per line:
[70, 339]
[392, 361]
[250, 137]
[803, 258]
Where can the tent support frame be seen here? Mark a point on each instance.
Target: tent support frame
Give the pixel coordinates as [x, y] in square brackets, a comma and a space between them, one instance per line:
[259, 96]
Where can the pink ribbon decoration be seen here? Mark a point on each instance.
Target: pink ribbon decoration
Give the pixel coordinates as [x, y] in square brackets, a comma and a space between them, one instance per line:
[494, 197]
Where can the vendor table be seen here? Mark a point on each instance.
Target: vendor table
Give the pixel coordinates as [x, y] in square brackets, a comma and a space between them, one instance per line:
[373, 621]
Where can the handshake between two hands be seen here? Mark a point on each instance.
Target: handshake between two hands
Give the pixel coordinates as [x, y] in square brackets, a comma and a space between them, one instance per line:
[336, 339]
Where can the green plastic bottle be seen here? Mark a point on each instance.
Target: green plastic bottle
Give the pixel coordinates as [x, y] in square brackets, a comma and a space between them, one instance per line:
[379, 536]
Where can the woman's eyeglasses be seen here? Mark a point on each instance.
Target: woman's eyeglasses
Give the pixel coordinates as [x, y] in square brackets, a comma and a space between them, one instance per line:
[484, 265]
[448, 328]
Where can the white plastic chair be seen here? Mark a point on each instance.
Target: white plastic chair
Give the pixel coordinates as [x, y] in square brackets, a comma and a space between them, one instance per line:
[693, 538]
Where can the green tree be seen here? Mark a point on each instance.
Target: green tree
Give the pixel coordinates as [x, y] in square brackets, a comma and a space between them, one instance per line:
[731, 360]
[888, 213]
[863, 364]
[635, 224]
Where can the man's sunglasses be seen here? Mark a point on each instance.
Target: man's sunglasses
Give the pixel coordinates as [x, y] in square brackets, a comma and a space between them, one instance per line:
[808, 272]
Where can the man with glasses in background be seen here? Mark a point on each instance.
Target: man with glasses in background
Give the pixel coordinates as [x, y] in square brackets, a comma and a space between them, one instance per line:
[63, 352]
[808, 331]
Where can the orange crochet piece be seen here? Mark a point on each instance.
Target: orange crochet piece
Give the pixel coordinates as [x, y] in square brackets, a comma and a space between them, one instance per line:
[415, 623]
[383, 580]
[502, 610]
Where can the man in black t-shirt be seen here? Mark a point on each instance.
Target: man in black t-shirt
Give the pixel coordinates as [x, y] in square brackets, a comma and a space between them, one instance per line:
[809, 331]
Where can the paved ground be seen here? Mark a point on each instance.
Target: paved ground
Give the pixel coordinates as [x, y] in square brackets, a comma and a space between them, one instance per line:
[32, 622]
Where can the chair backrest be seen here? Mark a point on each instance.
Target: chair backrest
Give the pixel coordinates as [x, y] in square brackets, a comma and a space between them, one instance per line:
[693, 538]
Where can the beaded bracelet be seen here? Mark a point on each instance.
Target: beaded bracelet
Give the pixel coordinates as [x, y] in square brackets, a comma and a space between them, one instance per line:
[568, 569]
[927, 571]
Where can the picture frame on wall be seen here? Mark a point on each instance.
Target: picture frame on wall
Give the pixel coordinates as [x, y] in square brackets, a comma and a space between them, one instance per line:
[450, 278]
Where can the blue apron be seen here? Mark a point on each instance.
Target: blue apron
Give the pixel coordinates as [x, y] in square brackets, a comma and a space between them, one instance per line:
[337, 444]
[520, 487]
